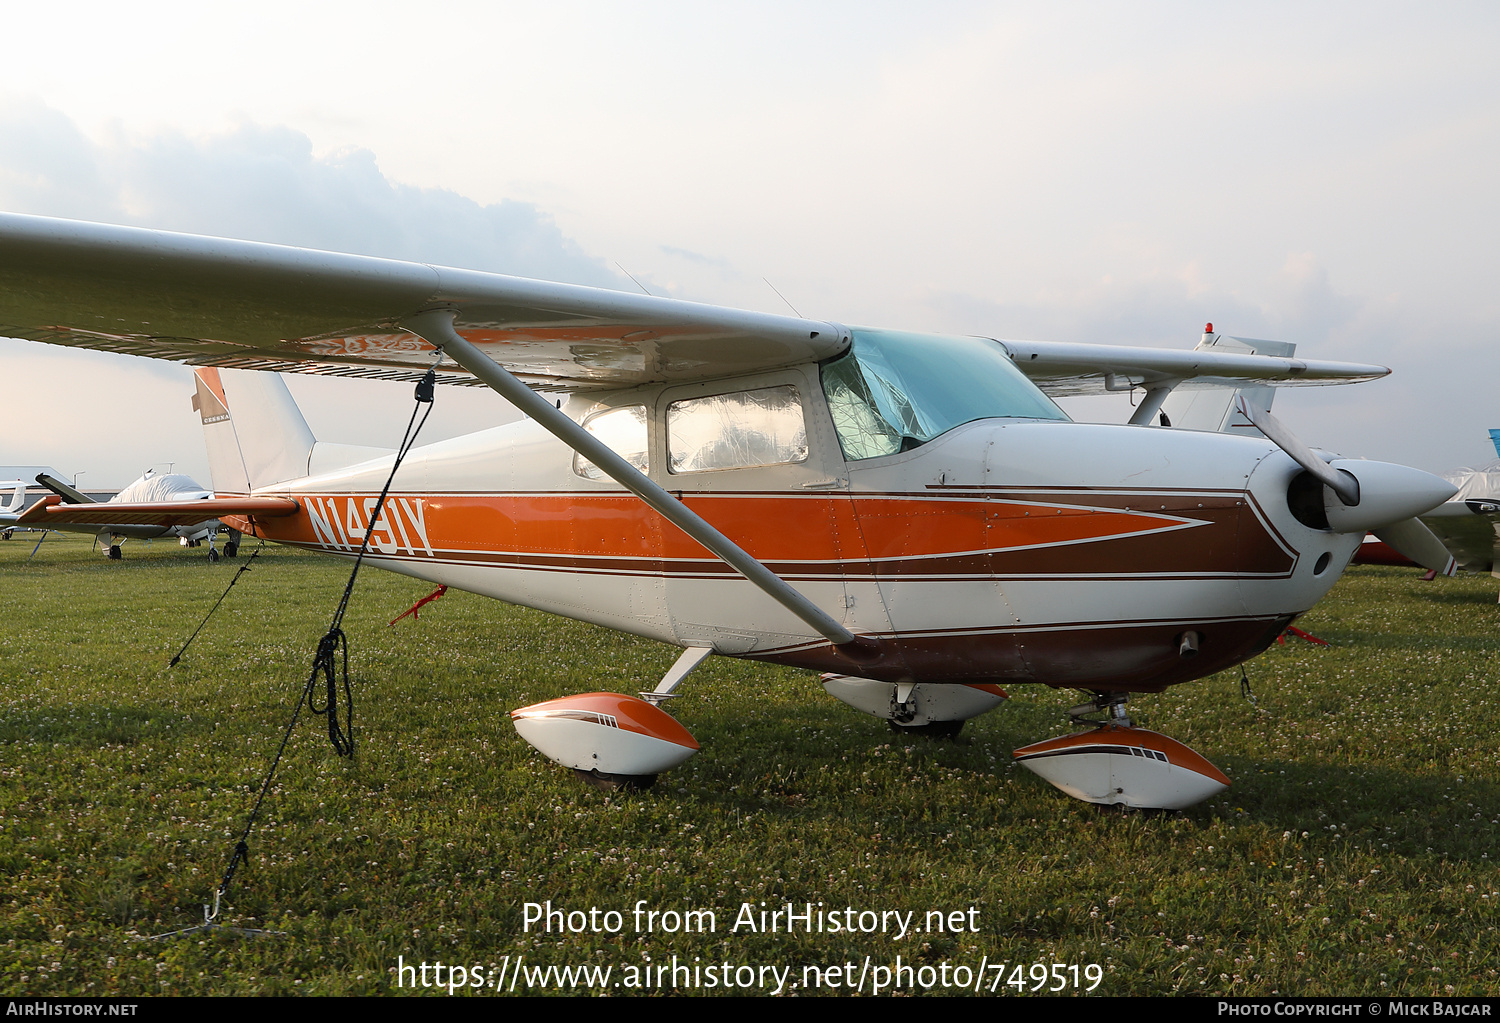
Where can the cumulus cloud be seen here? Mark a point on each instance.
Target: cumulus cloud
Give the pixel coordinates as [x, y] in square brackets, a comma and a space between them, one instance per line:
[48, 167]
[266, 184]
[263, 184]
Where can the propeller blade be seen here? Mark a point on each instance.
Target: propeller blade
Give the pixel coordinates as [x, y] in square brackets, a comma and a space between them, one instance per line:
[1412, 538]
[1342, 484]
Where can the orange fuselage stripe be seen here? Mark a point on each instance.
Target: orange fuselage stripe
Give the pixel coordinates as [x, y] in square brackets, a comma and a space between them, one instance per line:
[772, 528]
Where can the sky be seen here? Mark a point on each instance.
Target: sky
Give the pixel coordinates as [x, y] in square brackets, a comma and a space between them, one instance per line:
[1109, 173]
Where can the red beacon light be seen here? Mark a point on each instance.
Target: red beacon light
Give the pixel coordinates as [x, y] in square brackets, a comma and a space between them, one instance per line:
[1208, 328]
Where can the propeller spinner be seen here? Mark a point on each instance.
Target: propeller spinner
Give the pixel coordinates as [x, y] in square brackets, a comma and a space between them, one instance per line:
[1373, 497]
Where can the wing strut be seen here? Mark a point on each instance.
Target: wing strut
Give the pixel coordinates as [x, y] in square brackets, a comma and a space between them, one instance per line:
[436, 326]
[1151, 404]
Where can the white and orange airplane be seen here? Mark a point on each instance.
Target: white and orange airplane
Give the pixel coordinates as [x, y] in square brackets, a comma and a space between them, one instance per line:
[909, 514]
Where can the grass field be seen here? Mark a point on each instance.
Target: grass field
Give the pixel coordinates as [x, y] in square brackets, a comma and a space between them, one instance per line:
[1355, 854]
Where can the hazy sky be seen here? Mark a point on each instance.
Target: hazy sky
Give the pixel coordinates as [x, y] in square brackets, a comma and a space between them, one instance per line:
[1115, 173]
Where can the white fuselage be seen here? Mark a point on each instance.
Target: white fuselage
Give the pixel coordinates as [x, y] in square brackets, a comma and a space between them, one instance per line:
[1003, 550]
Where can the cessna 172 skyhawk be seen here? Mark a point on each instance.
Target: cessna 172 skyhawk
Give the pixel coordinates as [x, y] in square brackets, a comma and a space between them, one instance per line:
[910, 514]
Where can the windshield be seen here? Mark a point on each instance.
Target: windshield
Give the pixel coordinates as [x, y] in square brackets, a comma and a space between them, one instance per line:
[893, 391]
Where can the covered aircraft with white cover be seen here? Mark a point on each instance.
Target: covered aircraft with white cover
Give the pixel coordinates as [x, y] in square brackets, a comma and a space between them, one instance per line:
[1468, 523]
[140, 511]
[909, 514]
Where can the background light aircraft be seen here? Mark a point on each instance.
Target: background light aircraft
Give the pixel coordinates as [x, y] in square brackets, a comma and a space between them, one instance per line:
[137, 512]
[1468, 523]
[910, 514]
[153, 507]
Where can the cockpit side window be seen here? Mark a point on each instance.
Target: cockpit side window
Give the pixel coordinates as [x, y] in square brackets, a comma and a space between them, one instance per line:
[893, 391]
[737, 430]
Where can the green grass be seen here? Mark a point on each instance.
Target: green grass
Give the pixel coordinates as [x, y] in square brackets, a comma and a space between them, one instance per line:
[1355, 853]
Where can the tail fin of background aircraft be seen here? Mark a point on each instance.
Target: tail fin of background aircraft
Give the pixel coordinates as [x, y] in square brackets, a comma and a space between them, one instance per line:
[1495, 440]
[256, 435]
[1210, 406]
[17, 501]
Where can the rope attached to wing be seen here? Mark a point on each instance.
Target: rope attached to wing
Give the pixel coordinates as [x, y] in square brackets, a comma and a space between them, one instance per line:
[331, 665]
[331, 661]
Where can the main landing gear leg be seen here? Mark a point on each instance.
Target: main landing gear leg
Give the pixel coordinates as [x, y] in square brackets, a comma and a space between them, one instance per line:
[613, 741]
[1117, 764]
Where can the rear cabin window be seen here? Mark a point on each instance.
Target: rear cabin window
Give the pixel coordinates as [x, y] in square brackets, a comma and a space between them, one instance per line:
[736, 431]
[623, 430]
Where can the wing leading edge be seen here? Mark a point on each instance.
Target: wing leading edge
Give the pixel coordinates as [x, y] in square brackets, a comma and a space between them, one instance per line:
[250, 305]
[1062, 368]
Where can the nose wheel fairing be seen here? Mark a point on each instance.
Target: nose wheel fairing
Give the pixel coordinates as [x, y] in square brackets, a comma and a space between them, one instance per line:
[606, 734]
[1117, 764]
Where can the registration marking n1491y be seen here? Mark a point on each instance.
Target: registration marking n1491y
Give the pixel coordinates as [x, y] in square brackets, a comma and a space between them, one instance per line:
[341, 522]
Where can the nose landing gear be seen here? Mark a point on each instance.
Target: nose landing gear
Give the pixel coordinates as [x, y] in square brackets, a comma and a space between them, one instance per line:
[1116, 763]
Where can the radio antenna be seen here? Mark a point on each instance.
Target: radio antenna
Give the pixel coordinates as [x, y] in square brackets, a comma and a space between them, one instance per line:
[783, 298]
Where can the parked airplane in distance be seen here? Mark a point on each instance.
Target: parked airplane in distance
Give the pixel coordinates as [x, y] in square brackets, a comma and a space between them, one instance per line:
[1468, 523]
[120, 518]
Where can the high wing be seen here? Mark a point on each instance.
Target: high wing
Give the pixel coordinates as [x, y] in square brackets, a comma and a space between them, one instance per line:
[211, 301]
[216, 302]
[1062, 368]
